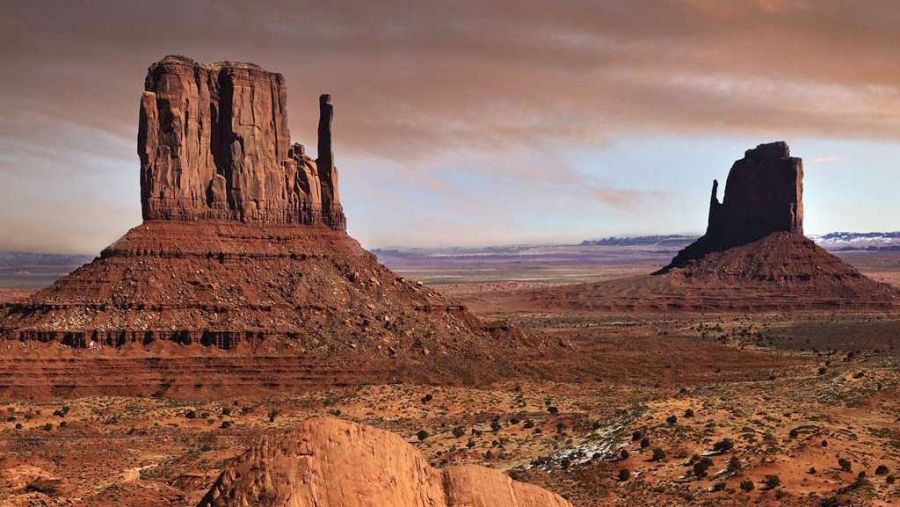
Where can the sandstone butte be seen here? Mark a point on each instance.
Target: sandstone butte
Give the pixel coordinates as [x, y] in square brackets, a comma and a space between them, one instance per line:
[242, 245]
[327, 462]
[214, 144]
[753, 257]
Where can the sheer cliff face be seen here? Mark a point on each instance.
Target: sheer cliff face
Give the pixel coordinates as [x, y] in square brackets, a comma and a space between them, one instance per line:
[214, 145]
[763, 194]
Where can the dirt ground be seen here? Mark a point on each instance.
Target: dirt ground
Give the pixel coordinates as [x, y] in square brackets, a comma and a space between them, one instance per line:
[730, 409]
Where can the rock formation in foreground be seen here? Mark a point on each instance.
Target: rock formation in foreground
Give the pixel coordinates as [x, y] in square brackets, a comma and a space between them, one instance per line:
[327, 462]
[243, 242]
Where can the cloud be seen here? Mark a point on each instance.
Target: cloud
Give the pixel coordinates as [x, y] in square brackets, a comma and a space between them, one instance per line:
[429, 84]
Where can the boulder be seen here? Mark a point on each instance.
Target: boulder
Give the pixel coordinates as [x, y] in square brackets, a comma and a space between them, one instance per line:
[327, 462]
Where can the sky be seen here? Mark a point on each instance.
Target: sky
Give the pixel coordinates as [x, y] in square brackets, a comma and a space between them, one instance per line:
[471, 122]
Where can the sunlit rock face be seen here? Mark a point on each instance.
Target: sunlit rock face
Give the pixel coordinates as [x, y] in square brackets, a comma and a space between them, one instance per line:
[214, 144]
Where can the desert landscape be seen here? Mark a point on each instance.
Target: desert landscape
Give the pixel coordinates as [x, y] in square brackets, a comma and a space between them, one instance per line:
[252, 339]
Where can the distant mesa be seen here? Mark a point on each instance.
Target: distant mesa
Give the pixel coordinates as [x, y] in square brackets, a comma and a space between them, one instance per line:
[753, 257]
[763, 195]
[327, 462]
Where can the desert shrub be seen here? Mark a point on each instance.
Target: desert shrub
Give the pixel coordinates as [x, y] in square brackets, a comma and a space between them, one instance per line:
[624, 474]
[812, 471]
[225, 425]
[746, 485]
[689, 413]
[458, 431]
[470, 444]
[553, 410]
[528, 424]
[18, 426]
[495, 426]
[595, 425]
[645, 443]
[723, 445]
[719, 486]
[845, 464]
[671, 420]
[47, 427]
[637, 435]
[272, 415]
[771, 481]
[623, 454]
[565, 463]
[658, 454]
[226, 411]
[881, 470]
[190, 414]
[734, 464]
[700, 469]
[422, 435]
[428, 397]
[794, 433]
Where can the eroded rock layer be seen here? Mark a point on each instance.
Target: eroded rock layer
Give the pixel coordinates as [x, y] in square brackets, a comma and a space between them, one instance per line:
[327, 462]
[224, 282]
[781, 272]
[214, 144]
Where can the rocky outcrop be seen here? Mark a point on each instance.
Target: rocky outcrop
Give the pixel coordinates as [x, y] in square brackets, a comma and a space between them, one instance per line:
[763, 195]
[214, 144]
[327, 462]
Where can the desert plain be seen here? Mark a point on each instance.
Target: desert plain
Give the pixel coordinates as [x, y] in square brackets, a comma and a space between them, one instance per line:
[665, 408]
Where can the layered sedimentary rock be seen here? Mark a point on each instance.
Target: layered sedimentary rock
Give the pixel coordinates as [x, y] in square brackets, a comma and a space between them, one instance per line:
[214, 144]
[326, 462]
[763, 195]
[243, 242]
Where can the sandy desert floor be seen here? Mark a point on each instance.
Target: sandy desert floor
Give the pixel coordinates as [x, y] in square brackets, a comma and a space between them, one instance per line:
[774, 409]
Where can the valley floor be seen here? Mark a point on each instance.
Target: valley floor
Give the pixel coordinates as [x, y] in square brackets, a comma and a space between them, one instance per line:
[811, 399]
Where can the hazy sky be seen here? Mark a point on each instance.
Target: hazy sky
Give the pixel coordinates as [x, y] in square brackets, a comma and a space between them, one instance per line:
[471, 121]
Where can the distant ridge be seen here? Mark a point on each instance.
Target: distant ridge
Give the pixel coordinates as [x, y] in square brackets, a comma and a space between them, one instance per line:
[671, 240]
